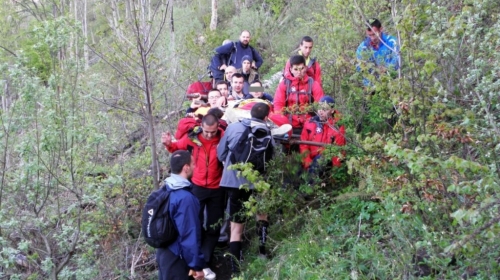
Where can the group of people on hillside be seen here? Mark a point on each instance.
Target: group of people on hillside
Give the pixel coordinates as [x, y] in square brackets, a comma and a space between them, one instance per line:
[205, 144]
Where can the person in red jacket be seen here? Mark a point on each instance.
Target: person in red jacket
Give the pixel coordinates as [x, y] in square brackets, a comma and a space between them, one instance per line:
[313, 67]
[321, 128]
[187, 124]
[202, 142]
[295, 93]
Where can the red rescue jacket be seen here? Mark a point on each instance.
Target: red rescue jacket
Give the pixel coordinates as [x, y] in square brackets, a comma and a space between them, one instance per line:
[313, 70]
[187, 124]
[208, 171]
[324, 133]
[297, 98]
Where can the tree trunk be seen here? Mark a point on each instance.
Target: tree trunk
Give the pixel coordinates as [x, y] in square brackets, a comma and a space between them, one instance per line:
[213, 20]
[85, 35]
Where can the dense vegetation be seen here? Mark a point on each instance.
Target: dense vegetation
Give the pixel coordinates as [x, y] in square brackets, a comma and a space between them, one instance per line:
[88, 86]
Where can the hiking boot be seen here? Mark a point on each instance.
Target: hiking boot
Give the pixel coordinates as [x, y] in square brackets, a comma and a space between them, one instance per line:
[282, 130]
[209, 274]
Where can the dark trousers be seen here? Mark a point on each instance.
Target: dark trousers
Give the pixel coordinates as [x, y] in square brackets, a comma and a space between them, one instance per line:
[213, 201]
[170, 266]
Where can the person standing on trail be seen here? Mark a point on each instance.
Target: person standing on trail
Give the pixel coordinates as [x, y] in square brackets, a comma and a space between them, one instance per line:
[202, 142]
[379, 49]
[321, 128]
[294, 95]
[236, 51]
[228, 150]
[313, 67]
[184, 254]
[216, 62]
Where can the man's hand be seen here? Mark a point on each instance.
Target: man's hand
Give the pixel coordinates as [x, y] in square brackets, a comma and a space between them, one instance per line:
[166, 139]
[253, 65]
[221, 102]
[223, 67]
[196, 103]
[199, 275]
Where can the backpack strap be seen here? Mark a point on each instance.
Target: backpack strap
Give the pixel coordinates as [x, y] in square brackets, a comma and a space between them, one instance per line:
[310, 82]
[288, 83]
[232, 54]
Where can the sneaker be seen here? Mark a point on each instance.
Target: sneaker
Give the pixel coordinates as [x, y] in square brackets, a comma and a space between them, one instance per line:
[282, 130]
[209, 274]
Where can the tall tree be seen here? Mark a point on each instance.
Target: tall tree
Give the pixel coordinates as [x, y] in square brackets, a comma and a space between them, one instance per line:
[213, 19]
[134, 60]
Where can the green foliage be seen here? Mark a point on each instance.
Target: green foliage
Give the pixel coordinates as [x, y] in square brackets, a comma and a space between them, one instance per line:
[417, 195]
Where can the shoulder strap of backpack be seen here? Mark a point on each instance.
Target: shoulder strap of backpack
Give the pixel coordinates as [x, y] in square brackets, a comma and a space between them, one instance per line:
[232, 54]
[310, 82]
[288, 83]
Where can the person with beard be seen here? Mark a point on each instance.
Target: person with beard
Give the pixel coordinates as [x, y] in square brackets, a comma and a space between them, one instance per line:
[176, 260]
[236, 51]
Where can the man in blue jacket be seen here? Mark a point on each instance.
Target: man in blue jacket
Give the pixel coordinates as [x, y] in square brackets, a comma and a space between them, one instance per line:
[236, 51]
[380, 49]
[184, 254]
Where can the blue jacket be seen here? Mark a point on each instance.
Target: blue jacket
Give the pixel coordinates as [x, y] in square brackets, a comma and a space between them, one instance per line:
[236, 56]
[184, 210]
[384, 56]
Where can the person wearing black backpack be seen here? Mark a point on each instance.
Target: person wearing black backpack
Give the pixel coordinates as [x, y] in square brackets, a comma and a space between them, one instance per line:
[248, 140]
[184, 254]
[236, 51]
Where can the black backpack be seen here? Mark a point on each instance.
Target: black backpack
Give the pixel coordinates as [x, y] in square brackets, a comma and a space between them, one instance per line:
[157, 226]
[254, 146]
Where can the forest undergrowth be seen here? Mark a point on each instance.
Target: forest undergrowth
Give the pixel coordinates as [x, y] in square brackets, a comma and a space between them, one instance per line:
[88, 87]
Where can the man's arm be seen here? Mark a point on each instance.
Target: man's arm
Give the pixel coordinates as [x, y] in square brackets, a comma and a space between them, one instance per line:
[257, 58]
[394, 57]
[228, 142]
[222, 148]
[317, 91]
[188, 224]
[279, 97]
[304, 149]
[166, 140]
[317, 72]
[221, 51]
[340, 136]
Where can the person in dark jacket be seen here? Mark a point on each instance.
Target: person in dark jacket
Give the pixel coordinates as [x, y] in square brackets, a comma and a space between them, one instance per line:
[175, 261]
[236, 51]
[202, 142]
[217, 73]
[232, 180]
